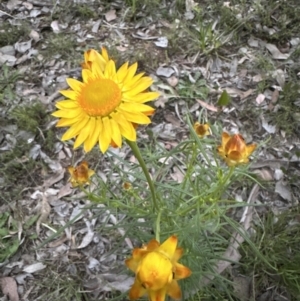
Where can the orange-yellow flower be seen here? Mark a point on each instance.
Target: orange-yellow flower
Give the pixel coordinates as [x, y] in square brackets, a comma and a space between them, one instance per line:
[234, 149]
[127, 186]
[157, 270]
[201, 129]
[81, 174]
[104, 107]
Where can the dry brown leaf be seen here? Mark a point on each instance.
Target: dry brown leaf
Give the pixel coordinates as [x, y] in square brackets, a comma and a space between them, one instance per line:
[260, 98]
[207, 106]
[110, 15]
[172, 119]
[236, 92]
[44, 209]
[9, 288]
[54, 179]
[177, 175]
[11, 4]
[65, 190]
[264, 174]
[274, 99]
[277, 55]
[55, 26]
[172, 81]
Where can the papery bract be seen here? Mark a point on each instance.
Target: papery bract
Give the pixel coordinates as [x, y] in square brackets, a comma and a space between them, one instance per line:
[81, 174]
[234, 149]
[201, 129]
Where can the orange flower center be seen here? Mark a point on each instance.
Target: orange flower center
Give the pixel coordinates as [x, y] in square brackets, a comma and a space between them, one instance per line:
[100, 97]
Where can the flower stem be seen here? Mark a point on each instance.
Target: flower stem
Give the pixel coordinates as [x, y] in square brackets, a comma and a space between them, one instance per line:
[157, 228]
[139, 157]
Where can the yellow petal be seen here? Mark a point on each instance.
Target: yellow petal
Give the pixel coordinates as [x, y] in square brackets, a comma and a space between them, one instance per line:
[74, 129]
[122, 72]
[235, 156]
[116, 134]
[110, 70]
[130, 84]
[169, 246]
[174, 290]
[136, 291]
[83, 135]
[221, 151]
[74, 84]
[143, 84]
[225, 138]
[142, 97]
[139, 118]
[68, 121]
[177, 255]
[135, 107]
[158, 295]
[251, 148]
[67, 113]
[90, 142]
[152, 245]
[132, 264]
[181, 271]
[126, 128]
[69, 94]
[104, 54]
[87, 75]
[105, 135]
[97, 71]
[71, 170]
[67, 104]
[130, 73]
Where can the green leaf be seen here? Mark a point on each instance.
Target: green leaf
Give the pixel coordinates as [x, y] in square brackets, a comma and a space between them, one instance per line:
[224, 99]
[3, 218]
[8, 248]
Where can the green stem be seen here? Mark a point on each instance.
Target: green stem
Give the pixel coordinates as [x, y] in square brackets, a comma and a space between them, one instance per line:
[157, 228]
[228, 176]
[139, 157]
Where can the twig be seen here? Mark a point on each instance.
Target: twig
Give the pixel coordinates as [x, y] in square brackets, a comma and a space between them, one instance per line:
[4, 13]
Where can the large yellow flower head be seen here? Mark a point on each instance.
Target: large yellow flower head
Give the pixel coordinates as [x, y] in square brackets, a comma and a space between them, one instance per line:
[234, 149]
[157, 270]
[106, 105]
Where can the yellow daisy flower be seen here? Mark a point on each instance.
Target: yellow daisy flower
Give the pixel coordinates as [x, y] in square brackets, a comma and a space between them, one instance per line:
[106, 105]
[157, 270]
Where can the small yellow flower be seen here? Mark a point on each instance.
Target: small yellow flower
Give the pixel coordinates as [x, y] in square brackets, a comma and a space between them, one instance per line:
[157, 270]
[201, 129]
[106, 105]
[81, 174]
[234, 149]
[127, 186]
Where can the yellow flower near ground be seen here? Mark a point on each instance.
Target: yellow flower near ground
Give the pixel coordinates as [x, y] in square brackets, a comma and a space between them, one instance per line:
[127, 186]
[107, 105]
[157, 270]
[201, 129]
[234, 149]
[81, 174]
